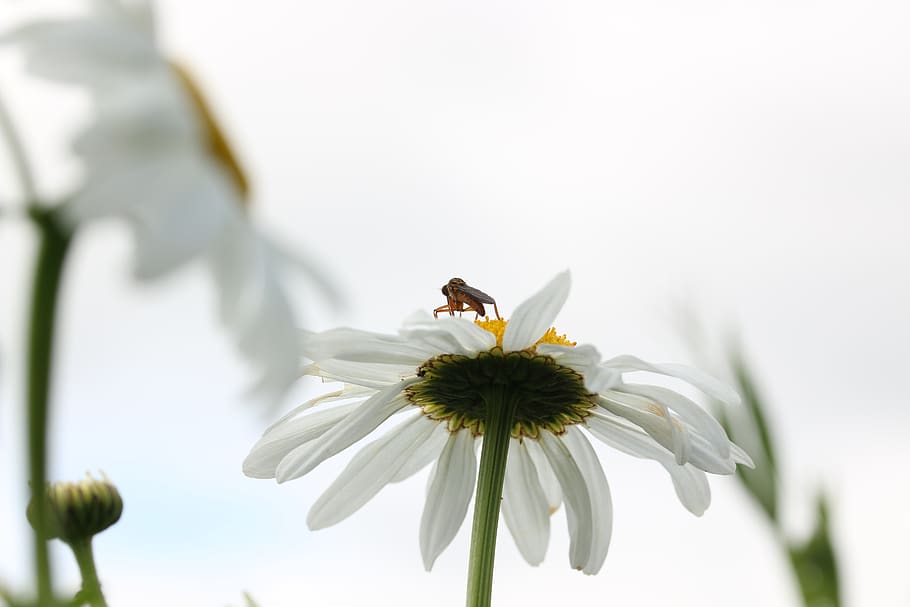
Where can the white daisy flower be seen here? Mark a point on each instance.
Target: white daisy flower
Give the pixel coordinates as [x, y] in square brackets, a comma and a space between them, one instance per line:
[441, 377]
[155, 157]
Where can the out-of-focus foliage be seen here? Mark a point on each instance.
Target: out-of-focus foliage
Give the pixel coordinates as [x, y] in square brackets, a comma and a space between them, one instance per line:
[815, 564]
[813, 561]
[760, 481]
[8, 599]
[248, 600]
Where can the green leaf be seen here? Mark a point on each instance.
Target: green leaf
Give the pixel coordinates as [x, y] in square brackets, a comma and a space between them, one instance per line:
[815, 564]
[761, 481]
[248, 600]
[754, 404]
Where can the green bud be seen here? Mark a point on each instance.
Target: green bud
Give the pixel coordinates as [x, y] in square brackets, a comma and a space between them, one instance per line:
[77, 511]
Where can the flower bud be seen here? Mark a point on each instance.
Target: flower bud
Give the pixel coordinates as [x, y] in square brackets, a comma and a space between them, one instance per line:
[77, 511]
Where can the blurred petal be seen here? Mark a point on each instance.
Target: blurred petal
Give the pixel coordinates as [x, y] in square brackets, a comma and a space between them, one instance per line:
[148, 159]
[173, 222]
[254, 307]
[149, 116]
[96, 50]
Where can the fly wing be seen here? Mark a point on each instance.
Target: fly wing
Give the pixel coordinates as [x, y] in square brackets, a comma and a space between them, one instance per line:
[476, 294]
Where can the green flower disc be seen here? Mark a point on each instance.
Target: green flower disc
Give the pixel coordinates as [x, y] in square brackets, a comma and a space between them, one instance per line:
[457, 388]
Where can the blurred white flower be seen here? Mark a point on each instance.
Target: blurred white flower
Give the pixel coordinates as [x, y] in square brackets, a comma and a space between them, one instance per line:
[438, 375]
[154, 156]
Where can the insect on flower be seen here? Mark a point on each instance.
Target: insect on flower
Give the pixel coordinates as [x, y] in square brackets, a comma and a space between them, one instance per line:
[463, 298]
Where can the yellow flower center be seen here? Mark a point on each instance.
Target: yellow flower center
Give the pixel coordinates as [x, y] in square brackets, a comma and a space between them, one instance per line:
[497, 326]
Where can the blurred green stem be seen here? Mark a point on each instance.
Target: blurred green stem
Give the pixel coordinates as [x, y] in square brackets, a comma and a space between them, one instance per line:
[52, 248]
[91, 587]
[53, 245]
[497, 432]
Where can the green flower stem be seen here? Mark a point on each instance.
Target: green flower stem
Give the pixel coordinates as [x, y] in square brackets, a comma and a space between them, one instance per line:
[91, 587]
[53, 246]
[500, 414]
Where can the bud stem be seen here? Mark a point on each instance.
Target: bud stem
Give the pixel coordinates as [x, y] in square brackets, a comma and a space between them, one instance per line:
[500, 414]
[53, 246]
[91, 587]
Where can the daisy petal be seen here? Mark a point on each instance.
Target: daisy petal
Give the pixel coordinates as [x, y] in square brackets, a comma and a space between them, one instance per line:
[691, 486]
[704, 456]
[524, 505]
[369, 471]
[449, 494]
[654, 417]
[461, 336]
[578, 500]
[424, 455]
[535, 315]
[690, 483]
[740, 456]
[278, 441]
[586, 360]
[706, 383]
[440, 342]
[348, 392]
[358, 424]
[368, 375]
[599, 491]
[699, 451]
[581, 357]
[690, 412]
[545, 474]
[362, 346]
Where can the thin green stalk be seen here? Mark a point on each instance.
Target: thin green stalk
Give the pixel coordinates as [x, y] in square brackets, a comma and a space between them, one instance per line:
[53, 246]
[497, 428]
[91, 587]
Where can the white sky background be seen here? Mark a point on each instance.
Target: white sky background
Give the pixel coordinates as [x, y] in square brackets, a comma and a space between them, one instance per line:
[747, 157]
